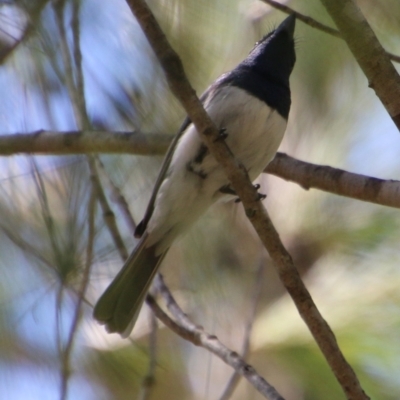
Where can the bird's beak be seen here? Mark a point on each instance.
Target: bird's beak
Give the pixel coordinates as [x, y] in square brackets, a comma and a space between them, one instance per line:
[288, 25]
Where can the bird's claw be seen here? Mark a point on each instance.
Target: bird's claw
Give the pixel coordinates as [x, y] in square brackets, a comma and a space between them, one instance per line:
[260, 196]
[222, 135]
[228, 190]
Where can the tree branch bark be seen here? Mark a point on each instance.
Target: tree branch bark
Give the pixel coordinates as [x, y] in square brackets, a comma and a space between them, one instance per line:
[84, 142]
[307, 175]
[370, 55]
[195, 334]
[336, 181]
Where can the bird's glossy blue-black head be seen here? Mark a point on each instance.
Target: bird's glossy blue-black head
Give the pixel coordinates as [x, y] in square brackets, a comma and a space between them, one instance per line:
[274, 55]
[266, 70]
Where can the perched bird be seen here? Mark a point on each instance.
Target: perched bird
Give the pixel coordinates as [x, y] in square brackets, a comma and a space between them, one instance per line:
[251, 105]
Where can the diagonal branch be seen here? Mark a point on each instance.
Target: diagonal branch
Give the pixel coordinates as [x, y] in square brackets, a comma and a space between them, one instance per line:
[316, 24]
[254, 209]
[196, 335]
[368, 52]
[117, 197]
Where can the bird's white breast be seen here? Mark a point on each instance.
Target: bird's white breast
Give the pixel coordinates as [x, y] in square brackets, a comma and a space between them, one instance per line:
[254, 133]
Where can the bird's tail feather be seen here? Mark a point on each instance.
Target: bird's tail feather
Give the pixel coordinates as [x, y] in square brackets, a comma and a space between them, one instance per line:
[119, 306]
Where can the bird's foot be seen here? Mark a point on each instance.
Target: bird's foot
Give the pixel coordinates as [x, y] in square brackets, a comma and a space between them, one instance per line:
[260, 196]
[222, 135]
[227, 190]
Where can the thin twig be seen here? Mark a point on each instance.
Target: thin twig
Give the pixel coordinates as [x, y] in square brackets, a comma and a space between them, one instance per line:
[255, 297]
[76, 93]
[149, 380]
[117, 197]
[254, 209]
[59, 7]
[46, 213]
[108, 214]
[316, 24]
[77, 96]
[81, 294]
[196, 335]
[25, 246]
[79, 88]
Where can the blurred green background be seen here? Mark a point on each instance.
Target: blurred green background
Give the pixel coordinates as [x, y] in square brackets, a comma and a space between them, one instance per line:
[347, 251]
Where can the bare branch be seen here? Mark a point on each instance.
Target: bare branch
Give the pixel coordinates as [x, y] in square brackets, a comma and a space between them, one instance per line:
[303, 18]
[307, 175]
[367, 50]
[254, 209]
[336, 181]
[316, 24]
[196, 334]
[84, 142]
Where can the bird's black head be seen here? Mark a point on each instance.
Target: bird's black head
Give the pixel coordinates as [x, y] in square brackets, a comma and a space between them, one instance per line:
[266, 70]
[274, 55]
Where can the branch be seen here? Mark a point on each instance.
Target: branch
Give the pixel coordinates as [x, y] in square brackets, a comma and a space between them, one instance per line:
[196, 335]
[254, 209]
[307, 175]
[336, 181]
[316, 24]
[368, 52]
[84, 142]
[108, 213]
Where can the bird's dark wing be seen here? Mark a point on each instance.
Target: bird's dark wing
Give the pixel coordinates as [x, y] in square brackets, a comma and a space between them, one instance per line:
[141, 228]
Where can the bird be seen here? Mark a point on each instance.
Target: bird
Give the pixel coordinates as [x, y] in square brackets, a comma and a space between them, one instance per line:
[250, 106]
